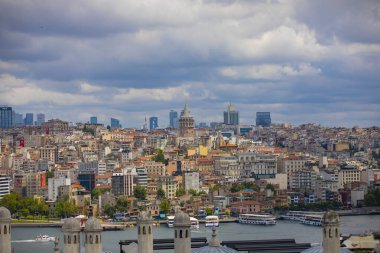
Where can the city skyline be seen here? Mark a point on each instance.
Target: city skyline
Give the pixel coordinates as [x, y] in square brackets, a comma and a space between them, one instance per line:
[305, 62]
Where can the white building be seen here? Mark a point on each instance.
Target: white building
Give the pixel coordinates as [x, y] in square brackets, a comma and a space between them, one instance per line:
[53, 185]
[4, 186]
[191, 180]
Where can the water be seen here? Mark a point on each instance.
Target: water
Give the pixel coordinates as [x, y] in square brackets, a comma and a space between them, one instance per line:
[23, 238]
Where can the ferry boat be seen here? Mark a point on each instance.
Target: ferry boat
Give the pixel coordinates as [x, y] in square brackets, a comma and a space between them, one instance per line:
[314, 220]
[257, 219]
[299, 216]
[44, 238]
[212, 221]
[170, 221]
[194, 223]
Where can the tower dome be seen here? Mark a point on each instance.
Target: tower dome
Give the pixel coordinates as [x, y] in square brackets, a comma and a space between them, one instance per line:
[182, 219]
[71, 225]
[330, 217]
[5, 214]
[214, 246]
[92, 224]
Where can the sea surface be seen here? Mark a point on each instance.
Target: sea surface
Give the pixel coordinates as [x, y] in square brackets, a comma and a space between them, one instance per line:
[23, 238]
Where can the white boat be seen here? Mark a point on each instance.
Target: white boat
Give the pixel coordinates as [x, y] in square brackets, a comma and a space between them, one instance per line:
[257, 219]
[194, 223]
[170, 221]
[212, 221]
[298, 216]
[44, 238]
[314, 220]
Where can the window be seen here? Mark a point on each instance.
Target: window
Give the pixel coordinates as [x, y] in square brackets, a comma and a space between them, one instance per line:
[180, 234]
[144, 232]
[75, 239]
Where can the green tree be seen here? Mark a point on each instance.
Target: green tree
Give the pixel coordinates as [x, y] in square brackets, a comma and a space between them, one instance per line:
[65, 208]
[10, 201]
[372, 198]
[159, 156]
[160, 193]
[109, 210]
[122, 204]
[97, 192]
[193, 192]
[140, 192]
[165, 206]
[180, 192]
[208, 211]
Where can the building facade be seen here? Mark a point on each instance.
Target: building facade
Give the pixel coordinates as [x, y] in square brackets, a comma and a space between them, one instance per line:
[186, 124]
[6, 117]
[153, 122]
[231, 116]
[263, 119]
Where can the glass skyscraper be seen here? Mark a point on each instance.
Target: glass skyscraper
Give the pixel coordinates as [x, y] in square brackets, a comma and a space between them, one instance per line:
[263, 119]
[94, 120]
[115, 123]
[6, 117]
[173, 119]
[29, 119]
[40, 119]
[153, 122]
[231, 117]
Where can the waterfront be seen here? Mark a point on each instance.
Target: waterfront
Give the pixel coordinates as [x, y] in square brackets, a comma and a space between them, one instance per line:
[22, 237]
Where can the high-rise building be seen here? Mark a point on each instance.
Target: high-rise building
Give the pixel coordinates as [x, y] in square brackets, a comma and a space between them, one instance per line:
[94, 120]
[186, 123]
[115, 123]
[6, 117]
[173, 119]
[29, 119]
[123, 183]
[153, 122]
[231, 117]
[18, 119]
[5, 187]
[263, 119]
[40, 119]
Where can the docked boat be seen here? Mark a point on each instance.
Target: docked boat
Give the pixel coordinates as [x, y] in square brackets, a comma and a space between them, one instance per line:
[257, 219]
[299, 216]
[194, 223]
[170, 221]
[44, 238]
[314, 220]
[212, 221]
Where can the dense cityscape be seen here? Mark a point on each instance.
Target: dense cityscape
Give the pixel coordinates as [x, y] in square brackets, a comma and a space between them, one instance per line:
[54, 169]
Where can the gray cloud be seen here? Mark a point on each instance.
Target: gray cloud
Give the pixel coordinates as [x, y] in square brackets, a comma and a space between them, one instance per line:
[305, 61]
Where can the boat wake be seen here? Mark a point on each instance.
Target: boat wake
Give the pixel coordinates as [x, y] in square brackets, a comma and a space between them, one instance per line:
[24, 241]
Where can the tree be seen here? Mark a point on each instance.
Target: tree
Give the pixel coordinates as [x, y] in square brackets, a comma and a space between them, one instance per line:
[165, 206]
[160, 193]
[65, 208]
[122, 204]
[159, 156]
[109, 210]
[372, 198]
[140, 192]
[208, 211]
[193, 192]
[97, 192]
[11, 202]
[180, 192]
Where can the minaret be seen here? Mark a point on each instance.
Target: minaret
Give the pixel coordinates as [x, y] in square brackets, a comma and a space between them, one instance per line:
[331, 242]
[71, 235]
[182, 237]
[145, 232]
[93, 236]
[5, 230]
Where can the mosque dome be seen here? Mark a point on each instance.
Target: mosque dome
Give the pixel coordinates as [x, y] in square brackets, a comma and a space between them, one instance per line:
[214, 246]
[319, 249]
[5, 214]
[71, 225]
[92, 224]
[182, 219]
[144, 216]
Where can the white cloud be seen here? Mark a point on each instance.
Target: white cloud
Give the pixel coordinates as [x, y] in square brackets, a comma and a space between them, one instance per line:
[90, 88]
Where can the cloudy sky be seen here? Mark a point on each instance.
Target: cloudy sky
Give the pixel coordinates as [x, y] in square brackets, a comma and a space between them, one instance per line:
[304, 61]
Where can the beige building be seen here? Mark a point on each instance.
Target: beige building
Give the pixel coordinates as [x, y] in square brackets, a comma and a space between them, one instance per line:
[348, 175]
[169, 185]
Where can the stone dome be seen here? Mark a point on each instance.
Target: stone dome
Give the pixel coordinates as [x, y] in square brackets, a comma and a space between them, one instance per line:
[182, 219]
[319, 249]
[330, 217]
[92, 224]
[5, 214]
[214, 246]
[144, 216]
[71, 225]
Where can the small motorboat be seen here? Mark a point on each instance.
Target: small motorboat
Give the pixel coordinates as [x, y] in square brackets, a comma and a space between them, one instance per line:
[44, 238]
